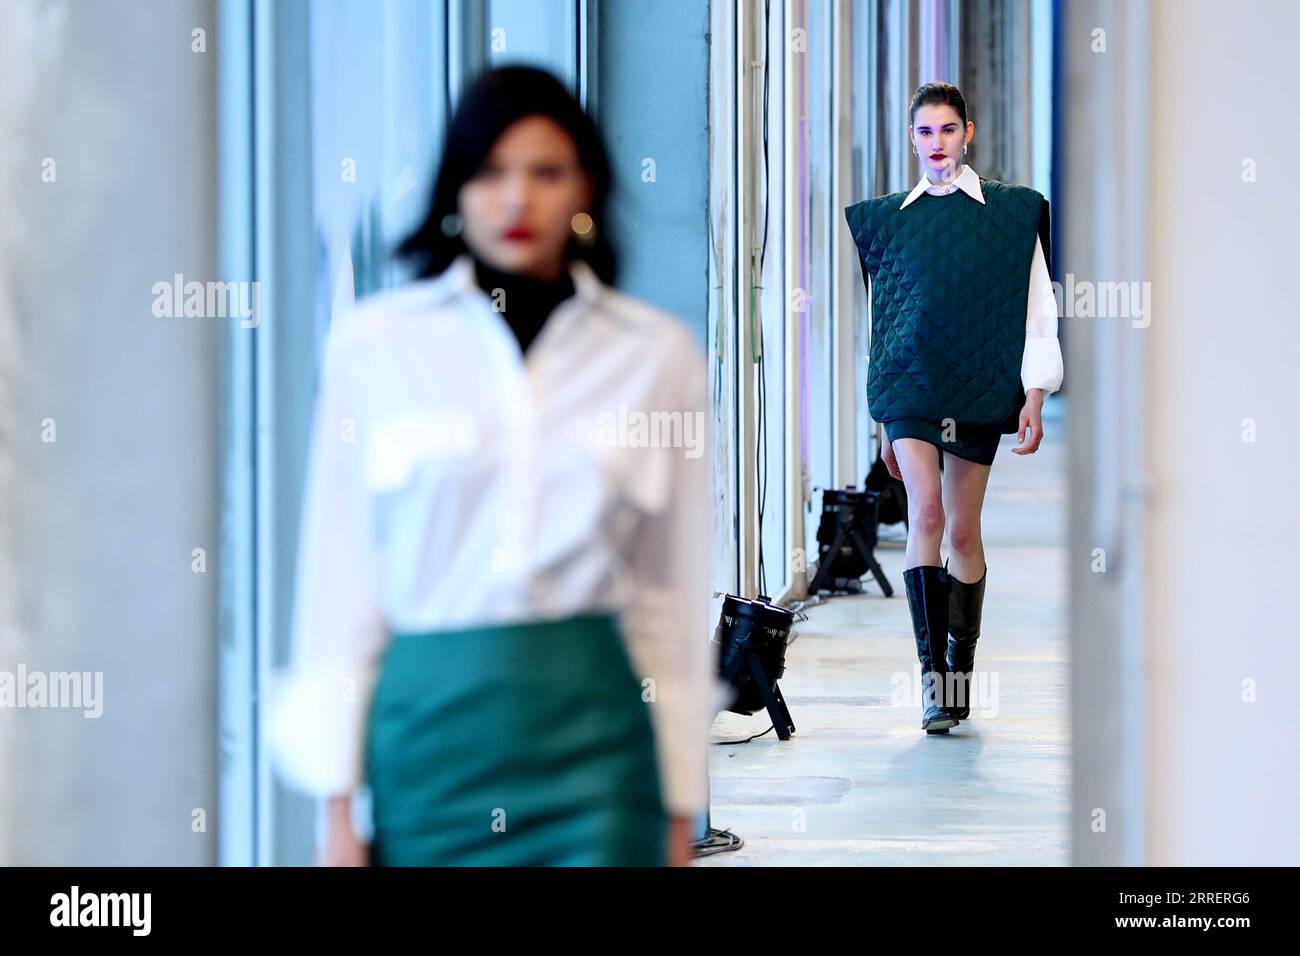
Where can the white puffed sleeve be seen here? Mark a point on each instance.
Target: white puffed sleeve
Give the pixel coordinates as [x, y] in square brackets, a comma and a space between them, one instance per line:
[318, 711]
[666, 622]
[1041, 365]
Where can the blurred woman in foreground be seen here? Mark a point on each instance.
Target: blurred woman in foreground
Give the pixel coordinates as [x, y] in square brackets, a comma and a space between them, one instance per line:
[502, 605]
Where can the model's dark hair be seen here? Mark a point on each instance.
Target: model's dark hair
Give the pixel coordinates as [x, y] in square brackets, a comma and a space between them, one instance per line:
[497, 99]
[938, 93]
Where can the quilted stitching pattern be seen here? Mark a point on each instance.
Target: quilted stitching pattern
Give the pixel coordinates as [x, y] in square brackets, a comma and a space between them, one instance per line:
[949, 290]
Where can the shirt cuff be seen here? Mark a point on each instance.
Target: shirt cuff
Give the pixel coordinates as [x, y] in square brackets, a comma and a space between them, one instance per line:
[1042, 366]
[316, 728]
[681, 719]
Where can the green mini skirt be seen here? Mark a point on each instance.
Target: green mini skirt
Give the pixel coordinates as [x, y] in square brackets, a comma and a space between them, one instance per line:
[513, 745]
[977, 443]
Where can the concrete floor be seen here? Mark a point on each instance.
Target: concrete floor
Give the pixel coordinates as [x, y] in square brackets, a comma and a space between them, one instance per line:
[859, 783]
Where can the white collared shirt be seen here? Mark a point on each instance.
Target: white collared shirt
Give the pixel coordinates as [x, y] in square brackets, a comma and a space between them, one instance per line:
[1041, 365]
[454, 481]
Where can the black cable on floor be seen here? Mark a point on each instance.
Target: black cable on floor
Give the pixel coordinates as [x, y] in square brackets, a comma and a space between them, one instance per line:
[731, 743]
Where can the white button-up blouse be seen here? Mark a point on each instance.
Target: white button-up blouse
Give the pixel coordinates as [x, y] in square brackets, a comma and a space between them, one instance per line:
[454, 481]
[1041, 365]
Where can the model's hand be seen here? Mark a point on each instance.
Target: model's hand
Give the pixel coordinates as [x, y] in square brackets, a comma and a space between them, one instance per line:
[343, 849]
[342, 846]
[679, 841]
[1031, 417]
[891, 463]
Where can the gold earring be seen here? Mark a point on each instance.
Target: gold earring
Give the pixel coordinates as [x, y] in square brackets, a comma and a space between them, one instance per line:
[583, 228]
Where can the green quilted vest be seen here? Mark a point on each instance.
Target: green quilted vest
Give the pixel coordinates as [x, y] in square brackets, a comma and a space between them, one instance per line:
[949, 282]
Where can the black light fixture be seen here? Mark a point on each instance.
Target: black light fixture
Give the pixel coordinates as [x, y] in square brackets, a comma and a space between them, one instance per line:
[846, 542]
[752, 636]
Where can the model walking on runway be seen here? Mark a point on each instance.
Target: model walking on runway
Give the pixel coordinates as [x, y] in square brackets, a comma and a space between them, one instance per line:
[501, 626]
[963, 350]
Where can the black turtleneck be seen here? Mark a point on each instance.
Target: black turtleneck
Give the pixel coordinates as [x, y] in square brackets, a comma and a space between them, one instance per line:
[527, 301]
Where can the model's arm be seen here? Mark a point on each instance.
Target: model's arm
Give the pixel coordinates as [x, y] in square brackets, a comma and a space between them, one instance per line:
[316, 726]
[1041, 368]
[667, 620]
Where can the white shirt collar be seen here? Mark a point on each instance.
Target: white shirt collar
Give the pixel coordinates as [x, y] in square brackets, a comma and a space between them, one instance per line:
[967, 181]
[459, 279]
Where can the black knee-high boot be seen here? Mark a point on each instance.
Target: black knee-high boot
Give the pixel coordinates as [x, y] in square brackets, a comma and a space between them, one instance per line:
[928, 599]
[964, 612]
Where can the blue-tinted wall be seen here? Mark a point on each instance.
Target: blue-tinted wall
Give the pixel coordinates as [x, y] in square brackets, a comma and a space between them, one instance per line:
[652, 104]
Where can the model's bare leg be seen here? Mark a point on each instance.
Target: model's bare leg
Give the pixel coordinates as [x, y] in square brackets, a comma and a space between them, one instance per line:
[964, 484]
[919, 462]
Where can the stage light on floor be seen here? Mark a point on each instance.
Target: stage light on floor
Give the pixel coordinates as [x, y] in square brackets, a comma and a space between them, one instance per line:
[752, 636]
[846, 542]
[751, 639]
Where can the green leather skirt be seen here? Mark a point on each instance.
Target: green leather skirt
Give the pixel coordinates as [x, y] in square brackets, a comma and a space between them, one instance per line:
[513, 745]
